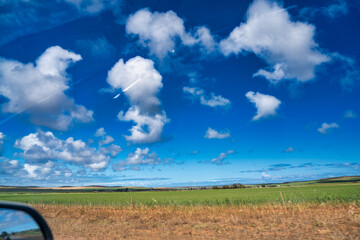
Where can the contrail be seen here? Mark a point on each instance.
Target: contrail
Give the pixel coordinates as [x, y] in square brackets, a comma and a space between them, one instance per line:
[282, 9]
[3, 121]
[31, 105]
[131, 85]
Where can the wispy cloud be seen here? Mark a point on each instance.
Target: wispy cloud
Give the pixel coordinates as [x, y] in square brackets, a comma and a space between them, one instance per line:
[99, 47]
[326, 127]
[350, 114]
[210, 100]
[336, 9]
[289, 149]
[221, 159]
[285, 166]
[212, 133]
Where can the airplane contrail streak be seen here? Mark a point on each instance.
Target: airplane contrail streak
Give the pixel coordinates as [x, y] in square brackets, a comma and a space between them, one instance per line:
[131, 85]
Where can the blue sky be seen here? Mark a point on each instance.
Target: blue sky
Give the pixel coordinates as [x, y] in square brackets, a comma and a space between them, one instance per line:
[175, 93]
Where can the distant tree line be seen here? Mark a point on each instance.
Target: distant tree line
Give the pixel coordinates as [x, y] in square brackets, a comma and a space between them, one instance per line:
[233, 186]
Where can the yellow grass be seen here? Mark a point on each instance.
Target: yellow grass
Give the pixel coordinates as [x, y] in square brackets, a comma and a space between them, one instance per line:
[300, 221]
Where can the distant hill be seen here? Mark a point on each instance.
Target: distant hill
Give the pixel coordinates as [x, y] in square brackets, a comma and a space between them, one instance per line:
[100, 188]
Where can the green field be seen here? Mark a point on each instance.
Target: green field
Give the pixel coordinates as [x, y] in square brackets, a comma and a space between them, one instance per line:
[320, 193]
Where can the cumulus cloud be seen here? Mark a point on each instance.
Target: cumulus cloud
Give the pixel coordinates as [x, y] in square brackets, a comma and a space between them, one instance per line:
[160, 32]
[220, 160]
[100, 132]
[287, 46]
[113, 150]
[326, 127]
[41, 147]
[338, 8]
[212, 133]
[9, 166]
[145, 110]
[350, 114]
[205, 99]
[104, 139]
[266, 105]
[46, 171]
[108, 139]
[38, 90]
[136, 159]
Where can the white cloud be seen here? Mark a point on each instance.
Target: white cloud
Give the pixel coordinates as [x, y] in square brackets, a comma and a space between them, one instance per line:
[148, 129]
[160, 31]
[46, 171]
[212, 133]
[112, 149]
[206, 40]
[276, 75]
[350, 114]
[266, 105]
[325, 127]
[220, 160]
[100, 132]
[265, 176]
[9, 167]
[30, 169]
[138, 158]
[108, 139]
[145, 108]
[39, 89]
[289, 149]
[42, 147]
[2, 137]
[288, 47]
[211, 101]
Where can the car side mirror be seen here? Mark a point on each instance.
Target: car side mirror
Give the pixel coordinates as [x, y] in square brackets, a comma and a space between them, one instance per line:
[20, 221]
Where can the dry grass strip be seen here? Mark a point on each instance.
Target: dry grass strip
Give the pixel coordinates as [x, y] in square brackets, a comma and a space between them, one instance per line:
[300, 221]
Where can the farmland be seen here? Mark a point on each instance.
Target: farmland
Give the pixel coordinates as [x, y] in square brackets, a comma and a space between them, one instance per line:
[336, 193]
[327, 209]
[300, 221]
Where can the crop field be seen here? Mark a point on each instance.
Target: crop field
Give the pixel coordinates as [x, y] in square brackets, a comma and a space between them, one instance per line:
[330, 210]
[336, 193]
[298, 221]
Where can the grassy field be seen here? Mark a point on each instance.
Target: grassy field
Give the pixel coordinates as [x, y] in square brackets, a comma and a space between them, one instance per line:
[321, 193]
